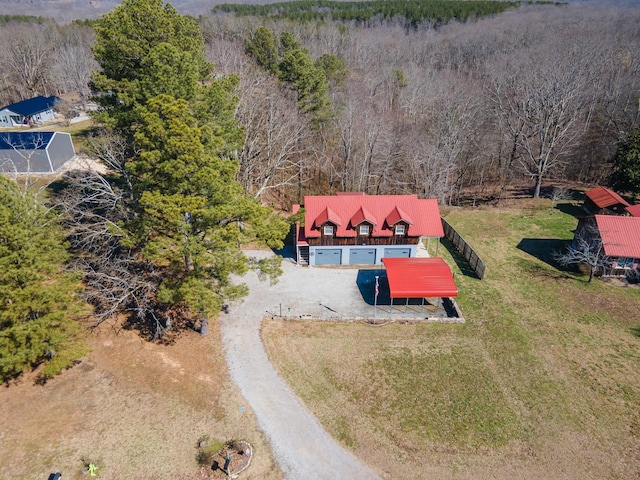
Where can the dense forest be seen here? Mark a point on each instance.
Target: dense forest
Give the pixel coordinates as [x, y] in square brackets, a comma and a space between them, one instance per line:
[204, 124]
[460, 111]
[412, 13]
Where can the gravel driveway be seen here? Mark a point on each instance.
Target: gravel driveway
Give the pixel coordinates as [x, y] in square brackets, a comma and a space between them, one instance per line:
[300, 446]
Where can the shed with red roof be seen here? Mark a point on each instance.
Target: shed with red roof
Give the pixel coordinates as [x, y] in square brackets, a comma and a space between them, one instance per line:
[620, 241]
[602, 201]
[619, 238]
[359, 229]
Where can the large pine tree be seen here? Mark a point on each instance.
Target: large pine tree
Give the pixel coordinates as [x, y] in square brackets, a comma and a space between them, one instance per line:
[39, 303]
[189, 216]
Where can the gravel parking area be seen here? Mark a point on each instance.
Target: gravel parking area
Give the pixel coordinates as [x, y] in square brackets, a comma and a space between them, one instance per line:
[342, 293]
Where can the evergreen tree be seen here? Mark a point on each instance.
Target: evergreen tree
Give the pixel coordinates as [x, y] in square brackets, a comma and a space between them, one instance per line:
[626, 165]
[263, 47]
[333, 67]
[190, 216]
[38, 300]
[297, 68]
[288, 43]
[145, 48]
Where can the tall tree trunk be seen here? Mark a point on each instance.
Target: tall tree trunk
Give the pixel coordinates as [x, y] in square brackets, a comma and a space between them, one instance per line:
[536, 192]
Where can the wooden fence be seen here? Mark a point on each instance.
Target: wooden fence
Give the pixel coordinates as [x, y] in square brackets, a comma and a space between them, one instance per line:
[464, 249]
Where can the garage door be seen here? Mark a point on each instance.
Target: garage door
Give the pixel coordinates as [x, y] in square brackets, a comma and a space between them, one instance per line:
[362, 256]
[397, 252]
[328, 256]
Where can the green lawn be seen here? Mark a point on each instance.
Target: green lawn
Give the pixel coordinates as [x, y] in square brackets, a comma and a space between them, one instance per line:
[544, 357]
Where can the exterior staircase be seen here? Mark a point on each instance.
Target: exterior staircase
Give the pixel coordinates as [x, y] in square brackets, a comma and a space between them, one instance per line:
[303, 256]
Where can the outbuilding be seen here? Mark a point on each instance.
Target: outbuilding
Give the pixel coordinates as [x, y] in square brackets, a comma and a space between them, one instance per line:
[34, 152]
[602, 201]
[29, 112]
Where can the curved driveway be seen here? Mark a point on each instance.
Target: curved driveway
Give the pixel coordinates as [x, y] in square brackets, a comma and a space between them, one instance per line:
[300, 446]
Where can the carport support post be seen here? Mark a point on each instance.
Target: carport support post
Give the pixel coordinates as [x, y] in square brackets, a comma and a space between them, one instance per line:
[375, 300]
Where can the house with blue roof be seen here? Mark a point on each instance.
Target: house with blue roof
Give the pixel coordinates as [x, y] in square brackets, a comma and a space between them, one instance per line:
[29, 112]
[34, 152]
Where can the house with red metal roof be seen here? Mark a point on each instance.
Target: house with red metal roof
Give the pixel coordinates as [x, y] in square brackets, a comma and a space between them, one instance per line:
[620, 240]
[602, 201]
[360, 229]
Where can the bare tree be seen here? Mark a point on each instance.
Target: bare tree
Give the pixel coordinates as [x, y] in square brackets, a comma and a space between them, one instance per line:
[27, 55]
[95, 208]
[586, 249]
[74, 63]
[276, 135]
[539, 106]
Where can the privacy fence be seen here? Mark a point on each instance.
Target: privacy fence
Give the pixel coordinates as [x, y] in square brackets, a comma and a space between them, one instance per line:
[464, 249]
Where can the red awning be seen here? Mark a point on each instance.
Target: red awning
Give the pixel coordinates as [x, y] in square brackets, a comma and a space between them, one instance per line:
[419, 278]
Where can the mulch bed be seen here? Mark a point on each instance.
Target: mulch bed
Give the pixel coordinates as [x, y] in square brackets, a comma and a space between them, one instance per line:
[239, 454]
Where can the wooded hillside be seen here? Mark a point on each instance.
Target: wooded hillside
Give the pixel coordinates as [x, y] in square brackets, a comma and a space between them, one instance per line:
[460, 112]
[457, 111]
[206, 122]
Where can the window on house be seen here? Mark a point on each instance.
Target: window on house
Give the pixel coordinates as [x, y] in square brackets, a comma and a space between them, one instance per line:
[364, 229]
[624, 262]
[328, 230]
[400, 229]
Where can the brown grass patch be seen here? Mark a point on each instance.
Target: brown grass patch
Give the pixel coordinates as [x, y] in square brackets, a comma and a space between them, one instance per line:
[133, 408]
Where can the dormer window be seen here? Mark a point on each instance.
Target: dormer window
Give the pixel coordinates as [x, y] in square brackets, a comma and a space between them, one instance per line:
[363, 230]
[328, 230]
[400, 229]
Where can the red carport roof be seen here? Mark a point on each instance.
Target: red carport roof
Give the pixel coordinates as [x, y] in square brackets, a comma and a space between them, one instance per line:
[419, 277]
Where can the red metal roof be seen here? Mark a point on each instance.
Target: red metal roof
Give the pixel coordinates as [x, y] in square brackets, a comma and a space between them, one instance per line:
[422, 215]
[419, 278]
[620, 235]
[603, 197]
[634, 210]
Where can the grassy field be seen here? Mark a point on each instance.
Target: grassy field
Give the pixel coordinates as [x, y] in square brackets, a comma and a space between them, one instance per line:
[543, 381]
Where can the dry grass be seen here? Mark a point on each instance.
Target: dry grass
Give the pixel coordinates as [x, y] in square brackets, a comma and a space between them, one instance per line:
[543, 381]
[133, 408]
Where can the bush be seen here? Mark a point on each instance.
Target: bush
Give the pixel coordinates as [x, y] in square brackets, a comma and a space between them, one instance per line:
[207, 448]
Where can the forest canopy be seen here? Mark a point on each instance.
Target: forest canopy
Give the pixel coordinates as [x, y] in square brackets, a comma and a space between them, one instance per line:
[436, 12]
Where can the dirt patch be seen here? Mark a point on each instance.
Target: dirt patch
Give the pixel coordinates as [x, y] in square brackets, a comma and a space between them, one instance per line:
[134, 409]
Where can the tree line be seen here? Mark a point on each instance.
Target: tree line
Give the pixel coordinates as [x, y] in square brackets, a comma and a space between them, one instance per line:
[414, 12]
